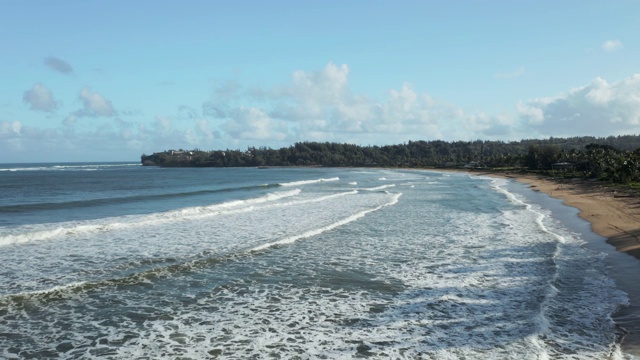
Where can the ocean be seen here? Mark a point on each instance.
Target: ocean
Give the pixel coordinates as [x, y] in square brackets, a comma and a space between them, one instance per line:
[121, 261]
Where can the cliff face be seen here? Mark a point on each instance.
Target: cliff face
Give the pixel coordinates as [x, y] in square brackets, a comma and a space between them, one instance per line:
[150, 160]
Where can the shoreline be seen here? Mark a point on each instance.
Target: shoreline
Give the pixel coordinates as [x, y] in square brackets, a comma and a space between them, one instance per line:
[614, 217]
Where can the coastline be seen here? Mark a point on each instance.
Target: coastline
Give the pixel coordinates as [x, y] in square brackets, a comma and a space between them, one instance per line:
[613, 216]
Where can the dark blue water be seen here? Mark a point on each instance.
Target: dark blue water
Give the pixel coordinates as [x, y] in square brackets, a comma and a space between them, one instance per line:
[37, 193]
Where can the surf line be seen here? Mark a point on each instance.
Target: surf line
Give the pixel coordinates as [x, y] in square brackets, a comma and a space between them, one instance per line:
[131, 221]
[306, 182]
[310, 233]
[552, 292]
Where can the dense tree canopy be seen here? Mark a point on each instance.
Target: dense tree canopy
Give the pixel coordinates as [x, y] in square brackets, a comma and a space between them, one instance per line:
[612, 158]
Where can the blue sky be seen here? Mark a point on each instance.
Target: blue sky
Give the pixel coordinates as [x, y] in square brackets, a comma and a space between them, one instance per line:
[111, 80]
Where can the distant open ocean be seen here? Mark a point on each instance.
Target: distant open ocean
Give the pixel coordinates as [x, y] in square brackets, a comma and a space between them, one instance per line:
[120, 261]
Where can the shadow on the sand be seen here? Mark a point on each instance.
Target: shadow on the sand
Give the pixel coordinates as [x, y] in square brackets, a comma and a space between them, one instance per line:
[627, 242]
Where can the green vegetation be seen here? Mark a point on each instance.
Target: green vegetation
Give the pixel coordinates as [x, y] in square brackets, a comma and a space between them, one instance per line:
[615, 159]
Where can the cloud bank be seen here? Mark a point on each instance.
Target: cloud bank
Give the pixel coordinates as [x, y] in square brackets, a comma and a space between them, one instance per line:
[599, 108]
[314, 106]
[319, 106]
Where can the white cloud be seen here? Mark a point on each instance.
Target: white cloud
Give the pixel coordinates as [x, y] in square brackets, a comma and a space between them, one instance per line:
[106, 140]
[10, 134]
[407, 112]
[40, 98]
[9, 129]
[319, 105]
[202, 126]
[253, 124]
[95, 104]
[500, 126]
[19, 140]
[165, 133]
[599, 108]
[327, 86]
[611, 45]
[311, 96]
[532, 111]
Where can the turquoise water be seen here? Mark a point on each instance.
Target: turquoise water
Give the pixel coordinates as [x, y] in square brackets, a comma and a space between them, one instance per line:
[122, 261]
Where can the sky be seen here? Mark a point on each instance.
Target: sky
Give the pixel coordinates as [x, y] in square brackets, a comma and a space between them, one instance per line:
[112, 80]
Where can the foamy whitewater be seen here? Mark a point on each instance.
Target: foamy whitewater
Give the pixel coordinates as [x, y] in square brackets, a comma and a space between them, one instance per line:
[120, 261]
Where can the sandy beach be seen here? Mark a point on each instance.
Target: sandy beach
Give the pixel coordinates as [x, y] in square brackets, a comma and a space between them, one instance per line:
[612, 214]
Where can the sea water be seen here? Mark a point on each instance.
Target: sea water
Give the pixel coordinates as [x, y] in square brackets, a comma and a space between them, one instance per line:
[121, 261]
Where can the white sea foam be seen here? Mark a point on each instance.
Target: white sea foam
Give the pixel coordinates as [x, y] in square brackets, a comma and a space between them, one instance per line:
[55, 289]
[332, 226]
[48, 231]
[548, 338]
[307, 182]
[464, 276]
[52, 231]
[225, 231]
[542, 319]
[82, 167]
[315, 320]
[25, 169]
[378, 188]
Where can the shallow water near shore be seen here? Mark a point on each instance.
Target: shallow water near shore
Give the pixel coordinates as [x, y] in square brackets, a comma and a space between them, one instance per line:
[122, 261]
[621, 267]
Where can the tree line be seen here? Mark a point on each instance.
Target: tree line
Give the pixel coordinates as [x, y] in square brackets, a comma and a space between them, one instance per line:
[614, 158]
